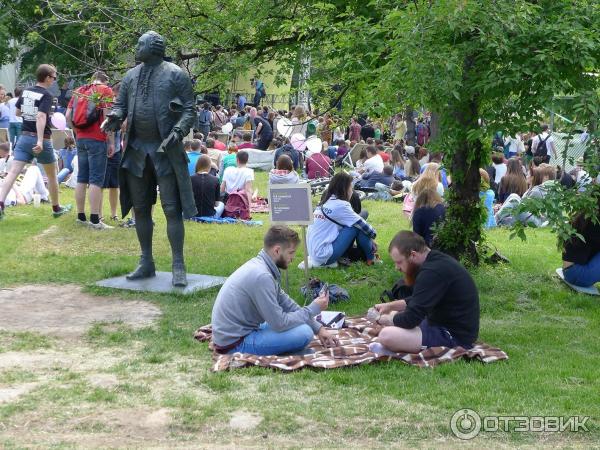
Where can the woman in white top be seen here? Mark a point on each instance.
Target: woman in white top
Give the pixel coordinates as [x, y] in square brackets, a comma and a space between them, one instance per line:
[336, 226]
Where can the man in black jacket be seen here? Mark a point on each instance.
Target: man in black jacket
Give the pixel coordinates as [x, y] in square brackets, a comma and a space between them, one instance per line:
[441, 307]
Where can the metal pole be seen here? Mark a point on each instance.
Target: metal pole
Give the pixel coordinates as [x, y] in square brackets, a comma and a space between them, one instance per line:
[306, 276]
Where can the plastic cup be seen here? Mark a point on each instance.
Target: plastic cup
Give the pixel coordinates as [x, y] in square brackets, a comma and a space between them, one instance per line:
[37, 200]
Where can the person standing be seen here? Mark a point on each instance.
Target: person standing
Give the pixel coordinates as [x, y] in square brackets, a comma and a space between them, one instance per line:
[94, 146]
[354, 131]
[262, 130]
[543, 143]
[15, 123]
[35, 106]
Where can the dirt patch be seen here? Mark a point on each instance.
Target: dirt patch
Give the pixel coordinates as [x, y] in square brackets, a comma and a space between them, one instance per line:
[12, 393]
[66, 311]
[244, 420]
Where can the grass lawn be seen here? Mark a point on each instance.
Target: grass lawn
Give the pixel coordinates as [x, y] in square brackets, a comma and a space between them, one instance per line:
[163, 394]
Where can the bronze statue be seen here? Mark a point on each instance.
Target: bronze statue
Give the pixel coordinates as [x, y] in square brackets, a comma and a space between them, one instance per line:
[157, 99]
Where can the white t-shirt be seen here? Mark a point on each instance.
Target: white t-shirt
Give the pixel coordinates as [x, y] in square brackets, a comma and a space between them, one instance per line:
[500, 172]
[12, 110]
[235, 178]
[322, 232]
[373, 164]
[549, 143]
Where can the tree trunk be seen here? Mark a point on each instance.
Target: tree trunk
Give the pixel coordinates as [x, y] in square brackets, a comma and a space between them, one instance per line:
[410, 126]
[461, 230]
[434, 126]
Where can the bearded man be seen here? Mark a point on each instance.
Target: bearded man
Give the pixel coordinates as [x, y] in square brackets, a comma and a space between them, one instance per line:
[157, 99]
[441, 307]
[252, 314]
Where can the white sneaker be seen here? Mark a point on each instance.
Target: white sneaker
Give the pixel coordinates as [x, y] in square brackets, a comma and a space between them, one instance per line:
[312, 265]
[82, 222]
[100, 226]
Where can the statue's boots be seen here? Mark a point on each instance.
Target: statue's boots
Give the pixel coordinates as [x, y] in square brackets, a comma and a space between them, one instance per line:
[145, 269]
[179, 275]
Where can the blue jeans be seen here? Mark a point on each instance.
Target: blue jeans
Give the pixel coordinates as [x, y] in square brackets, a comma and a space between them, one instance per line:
[344, 241]
[63, 174]
[23, 151]
[92, 157]
[266, 341]
[14, 131]
[584, 275]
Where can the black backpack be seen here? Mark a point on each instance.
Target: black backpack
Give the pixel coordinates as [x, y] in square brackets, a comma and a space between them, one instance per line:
[541, 149]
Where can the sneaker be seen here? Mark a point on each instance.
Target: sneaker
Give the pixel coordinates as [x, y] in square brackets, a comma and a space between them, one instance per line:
[81, 222]
[115, 218]
[129, 223]
[376, 260]
[100, 226]
[1, 213]
[62, 211]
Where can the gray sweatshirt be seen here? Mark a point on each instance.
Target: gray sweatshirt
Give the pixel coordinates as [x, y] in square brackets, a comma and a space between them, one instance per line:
[253, 295]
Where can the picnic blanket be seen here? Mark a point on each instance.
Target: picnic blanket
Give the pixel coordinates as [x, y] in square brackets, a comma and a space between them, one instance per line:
[356, 336]
[226, 220]
[259, 206]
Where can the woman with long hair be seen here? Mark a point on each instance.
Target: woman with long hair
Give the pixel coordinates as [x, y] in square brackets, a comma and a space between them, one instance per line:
[336, 226]
[398, 164]
[513, 182]
[429, 209]
[412, 168]
[488, 196]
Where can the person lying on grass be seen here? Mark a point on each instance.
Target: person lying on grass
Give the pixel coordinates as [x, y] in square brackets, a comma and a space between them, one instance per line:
[441, 306]
[252, 314]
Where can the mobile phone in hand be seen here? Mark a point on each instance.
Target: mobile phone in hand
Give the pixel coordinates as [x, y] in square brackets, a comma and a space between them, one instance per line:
[324, 290]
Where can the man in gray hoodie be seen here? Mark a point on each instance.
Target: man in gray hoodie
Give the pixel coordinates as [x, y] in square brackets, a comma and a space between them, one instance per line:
[252, 313]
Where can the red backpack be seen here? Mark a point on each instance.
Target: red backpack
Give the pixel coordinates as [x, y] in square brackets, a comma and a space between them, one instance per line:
[84, 111]
[237, 206]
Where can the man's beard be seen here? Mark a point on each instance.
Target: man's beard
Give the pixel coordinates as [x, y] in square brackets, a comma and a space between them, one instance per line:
[281, 263]
[411, 274]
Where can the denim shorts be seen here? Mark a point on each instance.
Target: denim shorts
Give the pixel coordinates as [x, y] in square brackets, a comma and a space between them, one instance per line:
[436, 336]
[24, 150]
[92, 158]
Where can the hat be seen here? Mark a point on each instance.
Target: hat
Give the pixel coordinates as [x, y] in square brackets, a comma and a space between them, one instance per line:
[409, 149]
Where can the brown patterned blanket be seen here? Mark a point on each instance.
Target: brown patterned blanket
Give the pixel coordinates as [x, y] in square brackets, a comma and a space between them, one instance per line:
[354, 338]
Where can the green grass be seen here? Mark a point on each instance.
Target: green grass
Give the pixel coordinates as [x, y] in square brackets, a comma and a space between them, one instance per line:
[550, 333]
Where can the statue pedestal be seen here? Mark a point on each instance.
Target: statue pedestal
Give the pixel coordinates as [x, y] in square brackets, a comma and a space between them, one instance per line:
[161, 283]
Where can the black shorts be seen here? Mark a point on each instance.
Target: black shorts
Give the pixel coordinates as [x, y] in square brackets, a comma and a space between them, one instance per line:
[111, 179]
[436, 336]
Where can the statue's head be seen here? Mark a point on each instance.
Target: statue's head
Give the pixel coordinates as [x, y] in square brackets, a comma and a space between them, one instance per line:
[150, 47]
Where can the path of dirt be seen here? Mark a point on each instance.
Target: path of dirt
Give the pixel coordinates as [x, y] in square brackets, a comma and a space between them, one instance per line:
[66, 311]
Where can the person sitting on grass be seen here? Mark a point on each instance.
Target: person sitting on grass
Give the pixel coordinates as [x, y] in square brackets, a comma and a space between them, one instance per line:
[429, 210]
[336, 226]
[238, 178]
[284, 173]
[581, 260]
[229, 160]
[22, 191]
[441, 306]
[318, 165]
[206, 189]
[247, 141]
[252, 314]
[487, 195]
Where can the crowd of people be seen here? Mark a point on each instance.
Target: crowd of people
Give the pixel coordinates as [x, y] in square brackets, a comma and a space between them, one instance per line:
[440, 304]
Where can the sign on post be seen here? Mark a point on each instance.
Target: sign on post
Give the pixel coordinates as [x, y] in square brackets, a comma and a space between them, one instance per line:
[290, 204]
